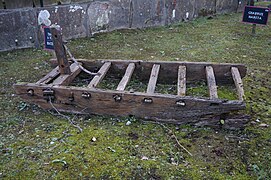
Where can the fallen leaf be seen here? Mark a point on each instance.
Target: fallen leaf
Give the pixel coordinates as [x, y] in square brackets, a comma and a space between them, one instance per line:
[59, 161]
[144, 158]
[264, 125]
[94, 139]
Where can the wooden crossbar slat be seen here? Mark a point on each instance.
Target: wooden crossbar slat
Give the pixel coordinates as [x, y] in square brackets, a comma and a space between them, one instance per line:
[211, 82]
[181, 81]
[153, 78]
[49, 77]
[238, 82]
[101, 74]
[126, 78]
[66, 79]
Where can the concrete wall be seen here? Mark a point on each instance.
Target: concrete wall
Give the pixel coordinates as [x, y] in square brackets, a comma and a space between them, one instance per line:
[15, 4]
[19, 28]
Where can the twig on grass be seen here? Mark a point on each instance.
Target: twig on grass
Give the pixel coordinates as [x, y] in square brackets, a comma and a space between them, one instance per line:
[66, 117]
[172, 135]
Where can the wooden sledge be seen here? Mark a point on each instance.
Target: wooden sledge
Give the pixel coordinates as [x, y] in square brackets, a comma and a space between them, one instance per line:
[58, 89]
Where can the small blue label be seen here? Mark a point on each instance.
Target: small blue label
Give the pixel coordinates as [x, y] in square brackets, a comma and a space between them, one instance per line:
[48, 40]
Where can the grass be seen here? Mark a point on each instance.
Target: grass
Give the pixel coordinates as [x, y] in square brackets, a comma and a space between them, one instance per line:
[38, 145]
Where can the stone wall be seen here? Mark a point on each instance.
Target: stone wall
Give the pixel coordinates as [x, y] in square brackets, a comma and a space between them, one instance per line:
[20, 28]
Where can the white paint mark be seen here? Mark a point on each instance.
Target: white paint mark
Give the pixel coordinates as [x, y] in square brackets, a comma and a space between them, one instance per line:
[173, 13]
[56, 9]
[75, 8]
[103, 19]
[43, 18]
[187, 15]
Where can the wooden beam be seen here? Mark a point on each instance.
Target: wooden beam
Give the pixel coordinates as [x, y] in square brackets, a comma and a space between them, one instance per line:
[238, 82]
[66, 79]
[101, 74]
[211, 82]
[63, 63]
[126, 78]
[102, 103]
[49, 77]
[181, 81]
[195, 71]
[153, 78]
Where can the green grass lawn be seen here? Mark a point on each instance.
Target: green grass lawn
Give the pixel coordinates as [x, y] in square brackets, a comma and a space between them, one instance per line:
[34, 144]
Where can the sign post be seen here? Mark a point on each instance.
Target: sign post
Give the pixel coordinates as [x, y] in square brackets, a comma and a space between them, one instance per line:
[255, 15]
[53, 42]
[61, 55]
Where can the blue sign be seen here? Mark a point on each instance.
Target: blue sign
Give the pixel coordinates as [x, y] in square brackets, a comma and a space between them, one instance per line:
[256, 15]
[48, 41]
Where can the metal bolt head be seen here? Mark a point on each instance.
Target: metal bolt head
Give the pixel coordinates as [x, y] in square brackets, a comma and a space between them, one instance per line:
[30, 92]
[117, 98]
[86, 95]
[180, 103]
[148, 100]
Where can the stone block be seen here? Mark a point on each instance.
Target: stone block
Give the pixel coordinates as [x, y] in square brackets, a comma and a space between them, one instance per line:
[120, 16]
[226, 6]
[148, 13]
[205, 7]
[184, 10]
[49, 2]
[18, 29]
[72, 19]
[14, 4]
[241, 5]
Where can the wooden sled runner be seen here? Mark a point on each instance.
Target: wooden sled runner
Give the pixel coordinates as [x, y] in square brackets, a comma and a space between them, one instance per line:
[58, 88]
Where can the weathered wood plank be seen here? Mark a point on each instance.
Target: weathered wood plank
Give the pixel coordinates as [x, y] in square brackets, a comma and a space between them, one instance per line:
[101, 74]
[181, 81]
[238, 82]
[211, 82]
[126, 78]
[153, 78]
[63, 63]
[49, 77]
[66, 79]
[195, 71]
[163, 107]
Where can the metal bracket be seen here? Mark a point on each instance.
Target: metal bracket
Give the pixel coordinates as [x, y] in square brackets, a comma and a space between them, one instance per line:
[30, 92]
[71, 97]
[49, 94]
